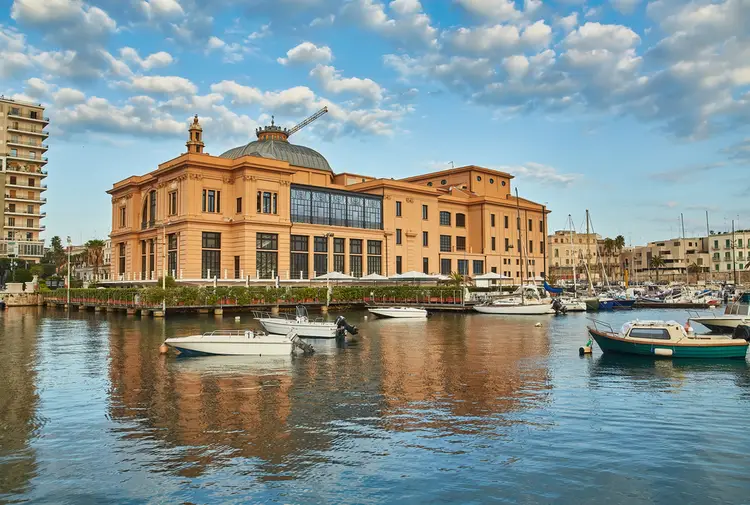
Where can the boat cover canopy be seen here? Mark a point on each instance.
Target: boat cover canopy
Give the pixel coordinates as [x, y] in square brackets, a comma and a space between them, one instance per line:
[552, 290]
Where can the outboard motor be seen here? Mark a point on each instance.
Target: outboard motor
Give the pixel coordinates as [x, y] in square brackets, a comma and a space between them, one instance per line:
[342, 327]
[558, 307]
[742, 331]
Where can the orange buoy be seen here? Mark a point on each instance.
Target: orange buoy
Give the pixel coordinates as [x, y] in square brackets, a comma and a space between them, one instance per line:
[163, 349]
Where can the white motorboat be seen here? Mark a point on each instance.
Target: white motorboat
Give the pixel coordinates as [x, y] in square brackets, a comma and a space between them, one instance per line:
[238, 343]
[736, 314]
[402, 312]
[303, 326]
[524, 301]
[574, 304]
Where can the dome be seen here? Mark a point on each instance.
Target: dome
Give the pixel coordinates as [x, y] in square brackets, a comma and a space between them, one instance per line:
[282, 150]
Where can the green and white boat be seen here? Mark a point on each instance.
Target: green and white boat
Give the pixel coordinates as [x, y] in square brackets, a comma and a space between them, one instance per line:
[665, 339]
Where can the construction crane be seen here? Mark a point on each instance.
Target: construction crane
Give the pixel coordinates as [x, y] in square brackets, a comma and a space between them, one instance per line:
[307, 121]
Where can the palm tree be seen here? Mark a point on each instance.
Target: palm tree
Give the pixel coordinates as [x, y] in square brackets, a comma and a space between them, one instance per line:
[657, 262]
[609, 247]
[456, 279]
[619, 246]
[95, 254]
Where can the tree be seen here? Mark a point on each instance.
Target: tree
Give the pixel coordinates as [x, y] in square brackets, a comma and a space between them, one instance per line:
[456, 279]
[609, 248]
[657, 262]
[95, 255]
[619, 246]
[693, 268]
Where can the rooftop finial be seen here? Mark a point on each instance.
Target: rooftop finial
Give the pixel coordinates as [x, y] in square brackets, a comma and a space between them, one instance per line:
[195, 119]
[272, 121]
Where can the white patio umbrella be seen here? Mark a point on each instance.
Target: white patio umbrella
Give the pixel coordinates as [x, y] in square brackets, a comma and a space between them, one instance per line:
[334, 276]
[492, 276]
[374, 277]
[412, 275]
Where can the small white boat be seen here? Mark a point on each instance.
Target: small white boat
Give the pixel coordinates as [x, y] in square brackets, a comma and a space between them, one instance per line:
[736, 314]
[238, 343]
[574, 304]
[401, 312]
[300, 323]
[524, 301]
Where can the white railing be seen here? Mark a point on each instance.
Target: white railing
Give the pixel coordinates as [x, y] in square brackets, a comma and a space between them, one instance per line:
[21, 248]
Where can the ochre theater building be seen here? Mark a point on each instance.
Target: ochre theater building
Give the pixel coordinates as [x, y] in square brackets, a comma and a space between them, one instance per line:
[272, 208]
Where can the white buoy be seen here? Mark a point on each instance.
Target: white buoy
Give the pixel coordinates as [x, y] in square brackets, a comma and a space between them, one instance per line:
[538, 325]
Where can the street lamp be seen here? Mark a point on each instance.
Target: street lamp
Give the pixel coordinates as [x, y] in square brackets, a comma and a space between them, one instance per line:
[69, 267]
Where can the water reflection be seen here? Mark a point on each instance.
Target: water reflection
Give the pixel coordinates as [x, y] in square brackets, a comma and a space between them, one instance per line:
[19, 400]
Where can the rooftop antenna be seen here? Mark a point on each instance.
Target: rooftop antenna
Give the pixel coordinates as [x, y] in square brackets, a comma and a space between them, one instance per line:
[452, 165]
[306, 122]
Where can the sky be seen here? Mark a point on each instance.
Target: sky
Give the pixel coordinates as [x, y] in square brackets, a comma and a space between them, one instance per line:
[636, 110]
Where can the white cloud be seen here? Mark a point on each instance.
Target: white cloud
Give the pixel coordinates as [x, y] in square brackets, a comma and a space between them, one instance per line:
[233, 53]
[265, 31]
[323, 21]
[517, 66]
[544, 174]
[568, 23]
[307, 53]
[409, 25]
[330, 79]
[13, 58]
[538, 34]
[68, 96]
[155, 60]
[169, 85]
[485, 38]
[69, 21]
[625, 6]
[596, 36]
[162, 9]
[499, 10]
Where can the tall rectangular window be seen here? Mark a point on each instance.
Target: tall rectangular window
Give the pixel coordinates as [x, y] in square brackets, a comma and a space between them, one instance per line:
[151, 255]
[123, 215]
[121, 269]
[338, 209]
[445, 266]
[355, 211]
[507, 244]
[172, 203]
[398, 265]
[320, 259]
[152, 208]
[301, 205]
[211, 201]
[505, 219]
[398, 209]
[239, 205]
[338, 254]
[237, 267]
[492, 220]
[541, 226]
[267, 255]
[463, 267]
[445, 218]
[460, 243]
[29, 223]
[477, 267]
[144, 261]
[374, 258]
[424, 212]
[426, 266]
[492, 243]
[210, 254]
[531, 247]
[425, 239]
[445, 243]
[373, 214]
[398, 236]
[461, 220]
[172, 254]
[355, 257]
[299, 260]
[531, 223]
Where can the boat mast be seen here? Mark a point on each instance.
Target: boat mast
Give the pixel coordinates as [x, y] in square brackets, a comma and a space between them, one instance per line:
[708, 241]
[520, 242]
[588, 256]
[734, 260]
[575, 285]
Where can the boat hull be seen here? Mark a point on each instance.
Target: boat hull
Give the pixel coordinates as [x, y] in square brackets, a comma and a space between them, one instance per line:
[592, 304]
[397, 313]
[515, 310]
[193, 347]
[309, 330]
[731, 349]
[721, 324]
[606, 304]
[625, 304]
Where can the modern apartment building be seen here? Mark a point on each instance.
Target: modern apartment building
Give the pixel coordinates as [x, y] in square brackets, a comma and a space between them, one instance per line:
[677, 254]
[273, 209]
[730, 252]
[22, 162]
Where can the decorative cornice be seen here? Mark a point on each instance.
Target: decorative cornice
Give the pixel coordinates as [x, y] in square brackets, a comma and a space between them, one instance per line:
[195, 176]
[410, 200]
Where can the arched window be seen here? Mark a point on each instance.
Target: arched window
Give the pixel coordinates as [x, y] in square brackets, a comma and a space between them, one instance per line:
[144, 214]
[152, 208]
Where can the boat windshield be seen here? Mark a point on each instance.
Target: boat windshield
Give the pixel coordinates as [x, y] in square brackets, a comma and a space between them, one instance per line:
[301, 311]
[650, 333]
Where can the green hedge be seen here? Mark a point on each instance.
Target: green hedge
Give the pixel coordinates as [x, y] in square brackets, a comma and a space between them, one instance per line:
[192, 296]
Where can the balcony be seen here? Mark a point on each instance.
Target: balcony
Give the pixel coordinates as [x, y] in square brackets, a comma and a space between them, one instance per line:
[39, 214]
[25, 170]
[28, 143]
[26, 157]
[28, 130]
[40, 187]
[40, 200]
[38, 227]
[22, 248]
[28, 117]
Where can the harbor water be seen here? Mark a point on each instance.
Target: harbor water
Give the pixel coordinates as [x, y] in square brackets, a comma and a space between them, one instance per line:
[459, 408]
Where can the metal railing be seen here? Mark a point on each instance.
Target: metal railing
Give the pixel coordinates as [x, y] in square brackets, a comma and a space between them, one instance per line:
[604, 324]
[36, 170]
[20, 128]
[42, 159]
[22, 248]
[39, 145]
[28, 116]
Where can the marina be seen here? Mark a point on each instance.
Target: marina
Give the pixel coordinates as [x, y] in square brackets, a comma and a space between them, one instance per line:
[497, 403]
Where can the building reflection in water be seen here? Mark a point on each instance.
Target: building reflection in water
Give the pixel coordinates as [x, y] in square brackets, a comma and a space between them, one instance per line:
[454, 373]
[284, 415]
[19, 400]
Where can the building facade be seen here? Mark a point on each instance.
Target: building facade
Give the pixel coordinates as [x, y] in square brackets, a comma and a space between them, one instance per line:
[730, 253]
[676, 254]
[567, 249]
[22, 162]
[275, 209]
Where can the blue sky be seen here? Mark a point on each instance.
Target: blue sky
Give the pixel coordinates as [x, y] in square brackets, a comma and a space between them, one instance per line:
[635, 109]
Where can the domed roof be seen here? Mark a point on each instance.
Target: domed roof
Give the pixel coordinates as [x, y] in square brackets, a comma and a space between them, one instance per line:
[299, 156]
